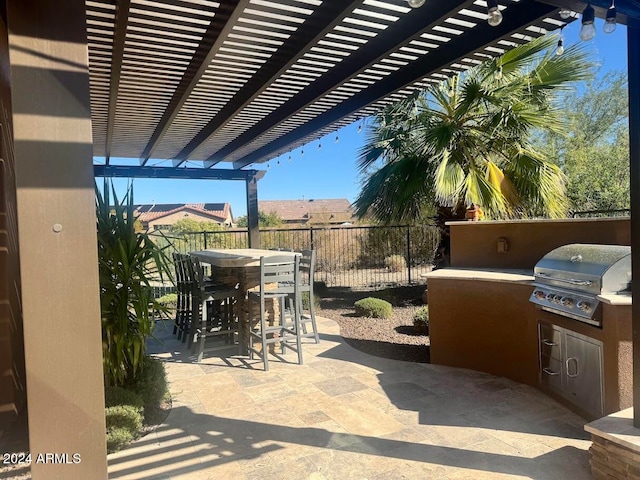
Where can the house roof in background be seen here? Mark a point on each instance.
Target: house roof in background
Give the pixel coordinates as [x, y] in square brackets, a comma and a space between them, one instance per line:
[304, 210]
[216, 211]
[243, 81]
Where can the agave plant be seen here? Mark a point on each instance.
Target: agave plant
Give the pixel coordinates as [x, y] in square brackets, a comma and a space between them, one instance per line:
[129, 262]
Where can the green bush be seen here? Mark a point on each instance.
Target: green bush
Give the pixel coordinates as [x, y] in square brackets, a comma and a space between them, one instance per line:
[306, 302]
[151, 382]
[395, 263]
[421, 320]
[115, 396]
[170, 300]
[373, 307]
[124, 422]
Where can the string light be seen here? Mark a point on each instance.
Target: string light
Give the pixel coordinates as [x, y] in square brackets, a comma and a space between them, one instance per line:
[494, 16]
[337, 138]
[359, 128]
[289, 157]
[302, 153]
[319, 146]
[588, 30]
[610, 21]
[416, 3]
[498, 73]
[565, 13]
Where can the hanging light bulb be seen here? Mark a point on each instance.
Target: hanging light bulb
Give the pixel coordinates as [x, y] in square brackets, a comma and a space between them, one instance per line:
[319, 146]
[289, 157]
[415, 3]
[494, 17]
[302, 153]
[268, 165]
[560, 47]
[610, 21]
[565, 13]
[588, 30]
[278, 162]
[498, 73]
[337, 138]
[359, 128]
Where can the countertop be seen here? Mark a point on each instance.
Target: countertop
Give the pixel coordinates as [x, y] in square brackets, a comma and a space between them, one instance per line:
[520, 276]
[485, 274]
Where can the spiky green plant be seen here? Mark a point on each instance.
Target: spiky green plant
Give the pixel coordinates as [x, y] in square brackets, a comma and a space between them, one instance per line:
[128, 262]
[466, 140]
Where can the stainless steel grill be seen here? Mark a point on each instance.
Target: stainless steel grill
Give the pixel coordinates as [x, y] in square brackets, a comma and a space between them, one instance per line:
[569, 279]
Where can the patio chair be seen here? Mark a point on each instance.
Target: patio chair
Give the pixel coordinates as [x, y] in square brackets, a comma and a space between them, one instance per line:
[307, 271]
[212, 314]
[183, 291]
[279, 281]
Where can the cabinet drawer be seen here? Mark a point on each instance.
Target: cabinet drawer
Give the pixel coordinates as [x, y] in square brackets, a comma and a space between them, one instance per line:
[551, 372]
[550, 341]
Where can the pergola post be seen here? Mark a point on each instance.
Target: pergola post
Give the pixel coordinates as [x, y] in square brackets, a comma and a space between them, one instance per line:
[53, 150]
[633, 42]
[252, 211]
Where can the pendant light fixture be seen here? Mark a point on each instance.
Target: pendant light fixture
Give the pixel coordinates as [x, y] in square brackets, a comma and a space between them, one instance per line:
[415, 3]
[588, 30]
[610, 22]
[494, 16]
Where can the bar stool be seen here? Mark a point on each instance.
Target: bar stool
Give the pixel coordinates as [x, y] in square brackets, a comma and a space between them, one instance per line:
[183, 290]
[212, 313]
[279, 281]
[307, 271]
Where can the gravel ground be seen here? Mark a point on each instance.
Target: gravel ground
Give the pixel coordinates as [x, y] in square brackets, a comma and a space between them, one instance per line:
[390, 338]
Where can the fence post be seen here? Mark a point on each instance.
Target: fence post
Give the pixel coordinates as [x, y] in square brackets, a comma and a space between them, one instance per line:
[409, 252]
[205, 240]
[311, 235]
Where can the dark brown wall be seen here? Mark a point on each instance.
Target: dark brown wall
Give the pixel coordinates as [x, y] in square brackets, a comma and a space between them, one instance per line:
[492, 327]
[485, 326]
[12, 383]
[474, 244]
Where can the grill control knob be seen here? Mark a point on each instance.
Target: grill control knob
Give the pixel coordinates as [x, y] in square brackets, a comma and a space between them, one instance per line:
[550, 297]
[584, 306]
[539, 294]
[557, 299]
[567, 301]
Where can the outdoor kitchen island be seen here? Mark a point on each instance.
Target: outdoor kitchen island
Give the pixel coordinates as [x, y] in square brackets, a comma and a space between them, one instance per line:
[481, 316]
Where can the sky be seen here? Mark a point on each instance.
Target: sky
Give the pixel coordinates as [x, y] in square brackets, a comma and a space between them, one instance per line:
[327, 169]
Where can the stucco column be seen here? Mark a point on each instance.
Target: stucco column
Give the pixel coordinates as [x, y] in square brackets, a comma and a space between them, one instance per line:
[633, 42]
[57, 238]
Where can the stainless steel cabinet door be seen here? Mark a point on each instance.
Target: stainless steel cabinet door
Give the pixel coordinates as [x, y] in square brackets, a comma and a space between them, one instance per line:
[583, 372]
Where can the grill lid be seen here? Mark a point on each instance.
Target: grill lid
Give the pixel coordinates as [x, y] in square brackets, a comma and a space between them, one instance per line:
[595, 269]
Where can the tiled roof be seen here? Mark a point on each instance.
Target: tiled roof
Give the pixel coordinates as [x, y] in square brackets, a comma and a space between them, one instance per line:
[217, 211]
[304, 210]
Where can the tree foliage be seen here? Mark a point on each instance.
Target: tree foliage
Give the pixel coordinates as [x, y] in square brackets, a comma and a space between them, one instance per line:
[467, 140]
[593, 151]
[271, 219]
[189, 225]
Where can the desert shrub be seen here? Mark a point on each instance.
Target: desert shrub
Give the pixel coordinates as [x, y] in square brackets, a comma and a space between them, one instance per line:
[124, 422]
[114, 396]
[395, 263]
[306, 302]
[421, 320]
[169, 300]
[373, 307]
[151, 383]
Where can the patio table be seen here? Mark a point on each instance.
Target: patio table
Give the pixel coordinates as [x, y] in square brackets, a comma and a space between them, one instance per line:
[241, 266]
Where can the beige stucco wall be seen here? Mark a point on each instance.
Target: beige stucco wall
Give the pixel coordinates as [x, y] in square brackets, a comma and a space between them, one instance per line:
[474, 244]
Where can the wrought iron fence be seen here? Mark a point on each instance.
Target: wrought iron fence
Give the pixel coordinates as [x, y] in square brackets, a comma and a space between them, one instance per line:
[602, 213]
[346, 256]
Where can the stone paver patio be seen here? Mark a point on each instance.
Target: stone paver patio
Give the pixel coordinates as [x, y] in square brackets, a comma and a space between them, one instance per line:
[348, 415]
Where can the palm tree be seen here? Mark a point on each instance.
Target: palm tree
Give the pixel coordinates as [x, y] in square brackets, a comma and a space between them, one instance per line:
[466, 140]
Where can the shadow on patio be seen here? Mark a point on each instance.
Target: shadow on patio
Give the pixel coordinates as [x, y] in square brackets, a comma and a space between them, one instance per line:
[345, 414]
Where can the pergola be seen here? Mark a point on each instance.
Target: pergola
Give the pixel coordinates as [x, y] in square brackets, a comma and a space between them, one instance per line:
[196, 89]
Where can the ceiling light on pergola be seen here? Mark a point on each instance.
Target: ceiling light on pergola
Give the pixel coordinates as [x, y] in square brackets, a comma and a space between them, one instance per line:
[415, 3]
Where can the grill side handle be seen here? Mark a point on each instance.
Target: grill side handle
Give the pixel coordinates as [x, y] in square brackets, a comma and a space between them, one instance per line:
[570, 281]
